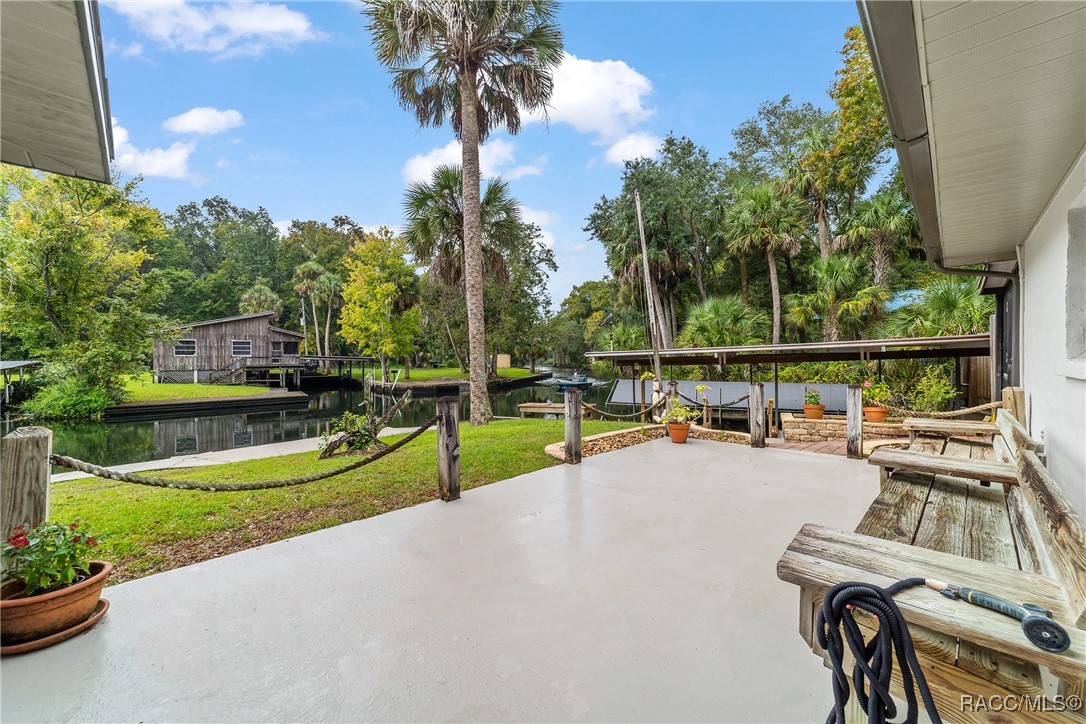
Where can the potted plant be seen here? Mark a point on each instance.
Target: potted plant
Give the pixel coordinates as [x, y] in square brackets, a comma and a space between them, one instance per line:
[51, 588]
[876, 394]
[678, 421]
[812, 404]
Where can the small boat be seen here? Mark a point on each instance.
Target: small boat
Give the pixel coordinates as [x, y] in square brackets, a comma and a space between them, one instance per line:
[581, 382]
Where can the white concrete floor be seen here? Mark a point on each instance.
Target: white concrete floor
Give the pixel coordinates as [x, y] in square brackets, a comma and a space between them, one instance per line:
[638, 586]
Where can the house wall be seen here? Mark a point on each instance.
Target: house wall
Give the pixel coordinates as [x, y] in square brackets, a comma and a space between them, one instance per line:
[1055, 385]
[213, 344]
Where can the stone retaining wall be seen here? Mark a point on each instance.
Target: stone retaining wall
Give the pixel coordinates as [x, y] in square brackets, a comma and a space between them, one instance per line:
[798, 428]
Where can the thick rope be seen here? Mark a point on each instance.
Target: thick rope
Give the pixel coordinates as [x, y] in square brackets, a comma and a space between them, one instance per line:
[601, 413]
[101, 472]
[736, 401]
[902, 412]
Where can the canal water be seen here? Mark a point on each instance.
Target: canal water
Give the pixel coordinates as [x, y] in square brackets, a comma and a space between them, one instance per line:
[115, 442]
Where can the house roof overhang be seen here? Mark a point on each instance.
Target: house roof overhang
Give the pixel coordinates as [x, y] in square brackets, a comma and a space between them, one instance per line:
[54, 97]
[986, 103]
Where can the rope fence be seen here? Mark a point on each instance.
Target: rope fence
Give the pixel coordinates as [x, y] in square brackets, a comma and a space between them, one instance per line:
[902, 412]
[736, 401]
[136, 479]
[613, 416]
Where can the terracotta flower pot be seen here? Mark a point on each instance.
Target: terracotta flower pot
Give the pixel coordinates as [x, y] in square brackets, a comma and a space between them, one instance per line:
[678, 431]
[27, 618]
[875, 414]
[813, 412]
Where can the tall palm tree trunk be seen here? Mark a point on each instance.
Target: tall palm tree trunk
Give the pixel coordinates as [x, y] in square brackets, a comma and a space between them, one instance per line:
[880, 261]
[773, 285]
[316, 324]
[823, 232]
[473, 248]
[328, 330]
[743, 277]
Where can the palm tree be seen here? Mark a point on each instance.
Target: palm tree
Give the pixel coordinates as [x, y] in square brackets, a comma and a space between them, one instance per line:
[326, 290]
[479, 63]
[947, 306]
[842, 298]
[260, 298]
[305, 279]
[767, 219]
[722, 322]
[435, 226]
[810, 175]
[880, 222]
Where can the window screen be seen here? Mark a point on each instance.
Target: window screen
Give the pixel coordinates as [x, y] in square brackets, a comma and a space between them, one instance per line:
[241, 348]
[184, 348]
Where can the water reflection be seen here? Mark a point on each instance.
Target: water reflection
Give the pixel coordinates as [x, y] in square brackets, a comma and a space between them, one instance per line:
[114, 442]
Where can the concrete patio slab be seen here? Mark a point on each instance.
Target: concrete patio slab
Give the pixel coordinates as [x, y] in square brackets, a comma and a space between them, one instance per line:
[637, 586]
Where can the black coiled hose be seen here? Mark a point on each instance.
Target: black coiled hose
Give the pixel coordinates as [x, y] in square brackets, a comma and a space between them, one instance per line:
[874, 659]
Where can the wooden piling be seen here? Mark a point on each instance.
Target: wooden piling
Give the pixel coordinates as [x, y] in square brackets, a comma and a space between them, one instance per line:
[24, 478]
[448, 447]
[854, 422]
[1014, 402]
[756, 414]
[573, 426]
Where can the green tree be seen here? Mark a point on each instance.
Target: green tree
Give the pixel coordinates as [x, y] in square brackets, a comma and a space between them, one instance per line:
[766, 142]
[434, 213]
[768, 220]
[881, 223]
[948, 305]
[260, 298]
[326, 290]
[71, 255]
[481, 63]
[811, 174]
[723, 322]
[379, 313]
[305, 283]
[842, 301]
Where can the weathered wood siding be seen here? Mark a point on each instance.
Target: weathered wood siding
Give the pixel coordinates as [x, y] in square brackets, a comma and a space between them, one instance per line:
[214, 344]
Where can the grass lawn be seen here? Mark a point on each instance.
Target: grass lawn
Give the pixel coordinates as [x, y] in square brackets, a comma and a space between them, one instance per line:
[427, 374]
[142, 389]
[151, 529]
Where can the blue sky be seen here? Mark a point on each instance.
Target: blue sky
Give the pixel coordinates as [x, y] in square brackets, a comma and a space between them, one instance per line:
[282, 105]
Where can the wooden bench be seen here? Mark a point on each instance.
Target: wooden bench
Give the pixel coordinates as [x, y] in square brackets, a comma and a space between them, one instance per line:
[1008, 436]
[1021, 540]
[925, 426]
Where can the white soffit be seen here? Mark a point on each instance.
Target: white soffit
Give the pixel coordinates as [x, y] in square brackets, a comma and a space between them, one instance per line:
[1005, 84]
[54, 107]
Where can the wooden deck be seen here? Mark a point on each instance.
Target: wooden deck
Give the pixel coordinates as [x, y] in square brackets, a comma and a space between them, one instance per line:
[831, 447]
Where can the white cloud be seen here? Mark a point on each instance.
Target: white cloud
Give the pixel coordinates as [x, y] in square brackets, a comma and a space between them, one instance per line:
[223, 29]
[172, 162]
[542, 219]
[634, 145]
[603, 97]
[496, 158]
[223, 163]
[204, 120]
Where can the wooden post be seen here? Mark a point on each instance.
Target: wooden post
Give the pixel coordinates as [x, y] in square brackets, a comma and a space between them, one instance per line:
[448, 447]
[854, 422]
[24, 478]
[772, 420]
[672, 395]
[1014, 402]
[756, 414]
[573, 426]
[706, 413]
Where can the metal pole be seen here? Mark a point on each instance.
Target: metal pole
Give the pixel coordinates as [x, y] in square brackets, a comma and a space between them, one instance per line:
[653, 332]
[776, 399]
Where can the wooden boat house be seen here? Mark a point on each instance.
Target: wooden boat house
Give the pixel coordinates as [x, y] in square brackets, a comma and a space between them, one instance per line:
[226, 350]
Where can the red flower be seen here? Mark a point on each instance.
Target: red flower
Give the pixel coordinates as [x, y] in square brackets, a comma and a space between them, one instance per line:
[73, 526]
[20, 528]
[18, 542]
[92, 542]
[76, 539]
